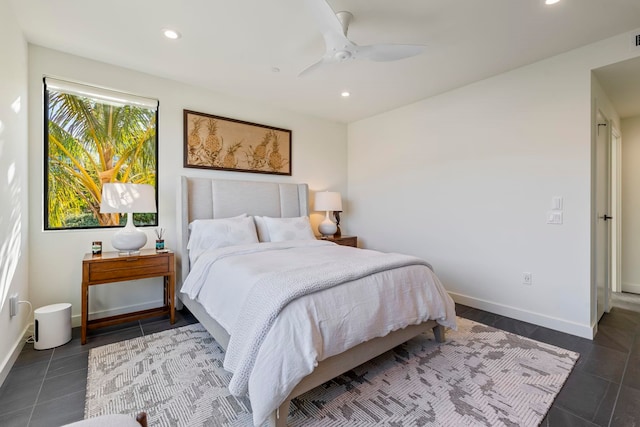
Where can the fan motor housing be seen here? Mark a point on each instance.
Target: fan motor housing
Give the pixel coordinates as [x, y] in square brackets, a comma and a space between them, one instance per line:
[342, 55]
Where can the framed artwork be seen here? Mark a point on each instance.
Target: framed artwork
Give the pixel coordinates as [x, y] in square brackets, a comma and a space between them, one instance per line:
[213, 142]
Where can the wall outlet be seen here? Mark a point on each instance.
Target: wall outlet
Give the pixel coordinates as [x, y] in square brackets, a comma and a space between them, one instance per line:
[13, 305]
[527, 278]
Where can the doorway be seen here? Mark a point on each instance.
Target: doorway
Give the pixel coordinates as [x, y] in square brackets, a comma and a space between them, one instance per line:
[616, 91]
[617, 293]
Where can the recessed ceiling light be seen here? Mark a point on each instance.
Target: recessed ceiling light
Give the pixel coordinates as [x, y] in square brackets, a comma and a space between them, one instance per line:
[551, 1]
[345, 94]
[171, 34]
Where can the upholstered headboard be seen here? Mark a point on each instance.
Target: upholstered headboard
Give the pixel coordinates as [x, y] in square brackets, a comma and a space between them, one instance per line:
[205, 198]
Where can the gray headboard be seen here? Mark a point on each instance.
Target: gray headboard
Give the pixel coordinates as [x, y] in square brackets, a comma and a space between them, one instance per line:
[205, 198]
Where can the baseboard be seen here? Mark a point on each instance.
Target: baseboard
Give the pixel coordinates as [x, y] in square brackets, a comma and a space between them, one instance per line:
[76, 320]
[584, 331]
[11, 358]
[631, 287]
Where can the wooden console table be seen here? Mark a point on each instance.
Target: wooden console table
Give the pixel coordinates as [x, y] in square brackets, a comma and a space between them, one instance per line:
[110, 267]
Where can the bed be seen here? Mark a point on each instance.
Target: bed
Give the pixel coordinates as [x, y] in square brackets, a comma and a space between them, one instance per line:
[206, 199]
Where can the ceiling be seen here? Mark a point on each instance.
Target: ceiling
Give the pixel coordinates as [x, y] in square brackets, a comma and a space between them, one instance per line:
[621, 82]
[234, 47]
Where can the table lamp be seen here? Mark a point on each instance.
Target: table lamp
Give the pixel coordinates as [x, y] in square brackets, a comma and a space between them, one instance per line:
[128, 198]
[328, 201]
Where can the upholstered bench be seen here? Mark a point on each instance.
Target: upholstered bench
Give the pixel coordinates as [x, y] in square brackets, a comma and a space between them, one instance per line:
[112, 420]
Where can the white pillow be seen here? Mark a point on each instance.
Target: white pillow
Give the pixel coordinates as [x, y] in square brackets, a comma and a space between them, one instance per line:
[207, 234]
[283, 229]
[262, 229]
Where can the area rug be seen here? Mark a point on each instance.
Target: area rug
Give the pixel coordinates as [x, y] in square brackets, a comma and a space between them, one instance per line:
[481, 376]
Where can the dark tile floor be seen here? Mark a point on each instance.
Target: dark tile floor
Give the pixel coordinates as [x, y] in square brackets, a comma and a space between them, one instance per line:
[47, 388]
[604, 386]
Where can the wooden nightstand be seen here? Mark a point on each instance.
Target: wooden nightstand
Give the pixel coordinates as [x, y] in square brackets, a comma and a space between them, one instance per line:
[110, 267]
[343, 240]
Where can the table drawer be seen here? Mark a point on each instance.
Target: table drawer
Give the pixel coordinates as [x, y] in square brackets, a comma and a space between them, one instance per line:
[347, 241]
[125, 268]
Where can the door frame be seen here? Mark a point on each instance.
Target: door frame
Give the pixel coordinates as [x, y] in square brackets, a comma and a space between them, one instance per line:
[616, 210]
[600, 118]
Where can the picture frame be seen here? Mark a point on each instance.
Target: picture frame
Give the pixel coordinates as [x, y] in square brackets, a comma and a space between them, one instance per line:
[222, 143]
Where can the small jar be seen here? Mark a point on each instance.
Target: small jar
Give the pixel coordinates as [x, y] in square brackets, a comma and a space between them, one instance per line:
[159, 244]
[96, 248]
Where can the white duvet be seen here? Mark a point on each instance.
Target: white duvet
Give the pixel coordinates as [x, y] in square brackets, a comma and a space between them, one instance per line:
[313, 327]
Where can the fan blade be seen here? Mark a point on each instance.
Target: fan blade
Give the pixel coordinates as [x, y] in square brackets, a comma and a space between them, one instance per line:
[327, 59]
[311, 68]
[328, 24]
[389, 52]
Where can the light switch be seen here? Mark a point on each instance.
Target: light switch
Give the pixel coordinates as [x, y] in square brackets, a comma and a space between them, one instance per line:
[554, 217]
[556, 203]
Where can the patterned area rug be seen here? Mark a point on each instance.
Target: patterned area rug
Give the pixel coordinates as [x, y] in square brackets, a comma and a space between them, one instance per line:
[481, 376]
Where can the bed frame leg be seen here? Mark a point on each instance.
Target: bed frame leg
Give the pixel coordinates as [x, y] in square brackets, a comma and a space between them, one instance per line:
[438, 332]
[278, 417]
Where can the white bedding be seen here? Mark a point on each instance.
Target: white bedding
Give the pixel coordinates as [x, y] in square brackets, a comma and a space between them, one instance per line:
[317, 326]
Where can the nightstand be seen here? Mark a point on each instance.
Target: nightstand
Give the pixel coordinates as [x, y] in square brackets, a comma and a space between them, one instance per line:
[343, 240]
[110, 267]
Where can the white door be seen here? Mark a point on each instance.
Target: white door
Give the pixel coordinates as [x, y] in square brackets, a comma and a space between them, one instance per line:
[603, 215]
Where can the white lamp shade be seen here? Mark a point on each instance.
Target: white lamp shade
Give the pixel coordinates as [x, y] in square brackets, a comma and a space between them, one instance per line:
[127, 198]
[328, 201]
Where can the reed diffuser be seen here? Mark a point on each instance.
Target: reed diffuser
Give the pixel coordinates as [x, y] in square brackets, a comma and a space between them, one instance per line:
[159, 239]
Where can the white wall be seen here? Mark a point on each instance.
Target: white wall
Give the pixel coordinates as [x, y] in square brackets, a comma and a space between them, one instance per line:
[319, 158]
[601, 102]
[465, 179]
[13, 186]
[631, 204]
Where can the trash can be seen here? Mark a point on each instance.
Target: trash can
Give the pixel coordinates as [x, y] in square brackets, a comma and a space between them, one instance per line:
[52, 326]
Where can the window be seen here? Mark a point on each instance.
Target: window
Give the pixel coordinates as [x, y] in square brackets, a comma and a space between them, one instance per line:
[94, 136]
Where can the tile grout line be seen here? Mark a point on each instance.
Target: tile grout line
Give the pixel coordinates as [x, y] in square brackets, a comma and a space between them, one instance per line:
[611, 383]
[44, 377]
[626, 365]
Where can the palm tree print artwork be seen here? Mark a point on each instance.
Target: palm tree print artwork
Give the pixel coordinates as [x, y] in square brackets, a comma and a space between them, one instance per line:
[88, 143]
[212, 142]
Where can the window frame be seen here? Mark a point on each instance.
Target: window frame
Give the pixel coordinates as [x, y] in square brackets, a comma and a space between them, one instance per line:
[120, 96]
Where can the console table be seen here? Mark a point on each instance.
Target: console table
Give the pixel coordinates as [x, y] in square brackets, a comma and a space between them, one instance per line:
[110, 267]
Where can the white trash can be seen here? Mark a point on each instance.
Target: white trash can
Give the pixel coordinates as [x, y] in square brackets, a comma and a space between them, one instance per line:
[52, 326]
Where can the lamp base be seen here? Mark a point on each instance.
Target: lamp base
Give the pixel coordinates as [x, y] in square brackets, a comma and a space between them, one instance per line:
[327, 228]
[129, 240]
[128, 253]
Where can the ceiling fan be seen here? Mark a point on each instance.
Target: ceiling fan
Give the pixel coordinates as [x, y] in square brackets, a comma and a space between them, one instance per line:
[339, 48]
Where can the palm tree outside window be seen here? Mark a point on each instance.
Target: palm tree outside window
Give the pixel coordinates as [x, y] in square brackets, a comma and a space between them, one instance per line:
[95, 136]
